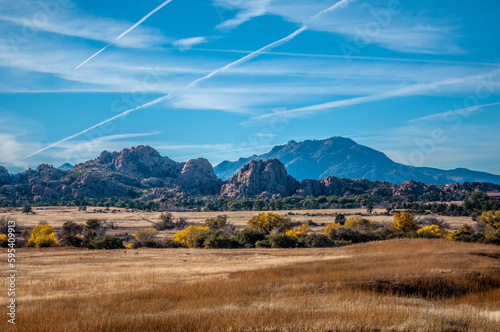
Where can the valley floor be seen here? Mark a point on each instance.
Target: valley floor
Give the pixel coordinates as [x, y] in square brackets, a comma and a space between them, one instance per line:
[397, 285]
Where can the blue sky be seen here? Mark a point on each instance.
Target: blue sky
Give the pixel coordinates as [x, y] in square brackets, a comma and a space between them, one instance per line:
[418, 80]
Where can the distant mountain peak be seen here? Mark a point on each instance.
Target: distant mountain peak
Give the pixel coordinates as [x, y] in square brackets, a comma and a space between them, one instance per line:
[344, 158]
[65, 167]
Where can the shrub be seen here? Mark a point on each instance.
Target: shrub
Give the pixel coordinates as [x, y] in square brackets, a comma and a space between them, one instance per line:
[263, 244]
[167, 221]
[492, 235]
[213, 239]
[359, 223]
[317, 241]
[216, 223]
[72, 234]
[329, 228]
[460, 235]
[431, 220]
[247, 238]
[106, 242]
[491, 219]
[404, 222]
[348, 235]
[42, 236]
[282, 241]
[340, 219]
[94, 228]
[187, 237]
[147, 234]
[268, 221]
[3, 241]
[304, 229]
[432, 231]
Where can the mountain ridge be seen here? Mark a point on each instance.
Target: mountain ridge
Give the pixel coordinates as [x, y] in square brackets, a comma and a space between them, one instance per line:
[344, 158]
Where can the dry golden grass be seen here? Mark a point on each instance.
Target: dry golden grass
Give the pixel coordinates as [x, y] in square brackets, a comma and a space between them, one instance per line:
[399, 285]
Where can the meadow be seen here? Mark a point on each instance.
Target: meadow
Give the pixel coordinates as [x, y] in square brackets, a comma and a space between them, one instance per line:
[396, 285]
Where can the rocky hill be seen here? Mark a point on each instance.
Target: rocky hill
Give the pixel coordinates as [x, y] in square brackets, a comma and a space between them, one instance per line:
[131, 173]
[344, 158]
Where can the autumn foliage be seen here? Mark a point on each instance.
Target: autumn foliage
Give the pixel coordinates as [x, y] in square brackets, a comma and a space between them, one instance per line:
[268, 221]
[404, 222]
[42, 236]
[187, 237]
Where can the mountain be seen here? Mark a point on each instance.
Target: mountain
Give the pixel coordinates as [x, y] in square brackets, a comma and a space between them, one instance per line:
[65, 166]
[344, 158]
[139, 172]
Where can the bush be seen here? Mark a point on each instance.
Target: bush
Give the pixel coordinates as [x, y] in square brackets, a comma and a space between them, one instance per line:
[491, 219]
[340, 219]
[316, 241]
[263, 244]
[303, 230]
[216, 223]
[213, 239]
[247, 238]
[145, 235]
[167, 221]
[359, 223]
[460, 235]
[268, 221]
[430, 232]
[3, 241]
[282, 241]
[187, 237]
[348, 235]
[94, 228]
[107, 242]
[329, 228]
[404, 222]
[431, 220]
[42, 236]
[72, 234]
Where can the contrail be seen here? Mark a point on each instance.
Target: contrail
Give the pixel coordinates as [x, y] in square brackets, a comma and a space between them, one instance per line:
[126, 31]
[404, 91]
[340, 4]
[186, 87]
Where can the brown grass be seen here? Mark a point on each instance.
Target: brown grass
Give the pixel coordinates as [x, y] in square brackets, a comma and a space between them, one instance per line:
[400, 285]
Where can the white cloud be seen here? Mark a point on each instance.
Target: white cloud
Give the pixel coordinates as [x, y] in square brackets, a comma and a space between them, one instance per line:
[247, 11]
[187, 43]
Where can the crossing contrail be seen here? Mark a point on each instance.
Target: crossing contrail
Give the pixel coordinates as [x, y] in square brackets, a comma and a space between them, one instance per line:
[126, 31]
[193, 83]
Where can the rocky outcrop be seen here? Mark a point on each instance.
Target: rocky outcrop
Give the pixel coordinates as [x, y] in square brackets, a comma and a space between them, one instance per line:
[416, 188]
[198, 176]
[139, 162]
[261, 178]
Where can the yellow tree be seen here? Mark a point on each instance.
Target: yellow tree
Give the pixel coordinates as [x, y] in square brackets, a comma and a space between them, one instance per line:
[432, 231]
[303, 229]
[188, 236]
[267, 221]
[491, 218]
[42, 236]
[404, 222]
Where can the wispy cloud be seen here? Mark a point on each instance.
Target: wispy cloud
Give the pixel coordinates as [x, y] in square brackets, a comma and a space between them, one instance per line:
[464, 112]
[163, 4]
[248, 10]
[187, 43]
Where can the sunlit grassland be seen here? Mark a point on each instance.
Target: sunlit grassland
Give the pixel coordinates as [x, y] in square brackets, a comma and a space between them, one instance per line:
[398, 285]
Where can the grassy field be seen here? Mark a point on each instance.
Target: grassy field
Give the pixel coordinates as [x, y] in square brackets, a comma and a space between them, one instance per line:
[398, 285]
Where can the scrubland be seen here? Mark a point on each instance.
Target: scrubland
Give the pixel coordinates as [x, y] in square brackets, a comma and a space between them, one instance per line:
[396, 285]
